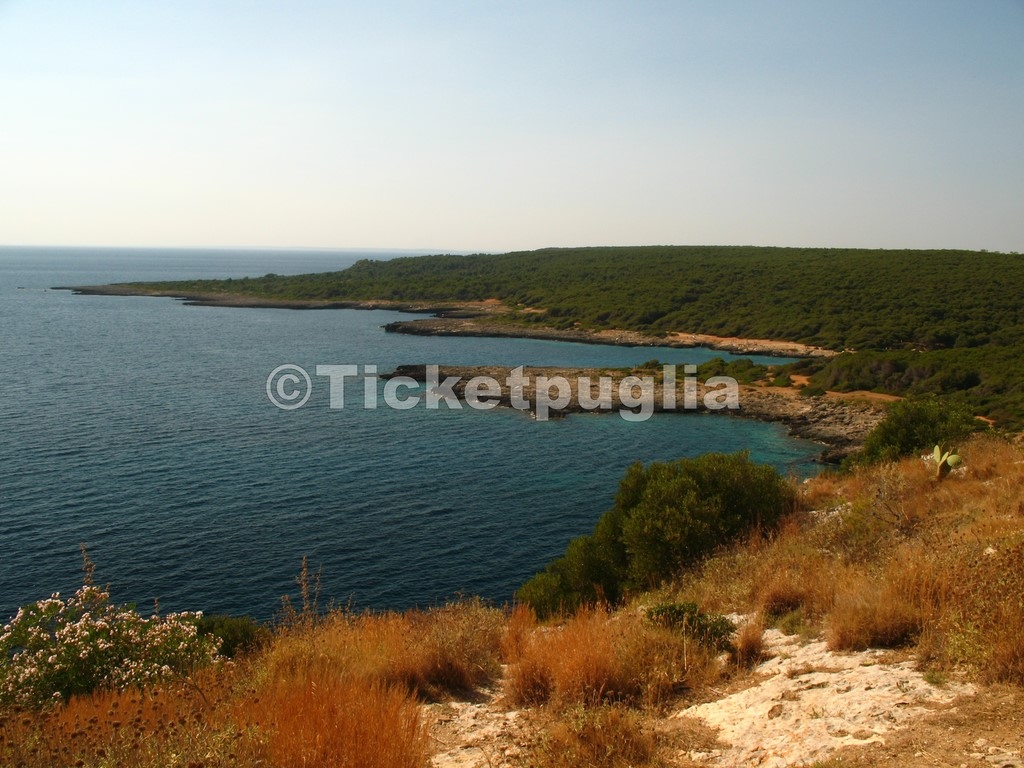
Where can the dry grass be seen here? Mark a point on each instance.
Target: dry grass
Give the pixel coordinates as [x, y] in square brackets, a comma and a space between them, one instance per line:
[868, 617]
[451, 649]
[171, 725]
[597, 656]
[602, 737]
[339, 691]
[332, 719]
[796, 581]
[749, 644]
[892, 610]
[788, 579]
[985, 619]
[891, 557]
[519, 628]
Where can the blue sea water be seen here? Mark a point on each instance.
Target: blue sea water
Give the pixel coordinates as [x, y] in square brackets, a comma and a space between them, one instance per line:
[141, 427]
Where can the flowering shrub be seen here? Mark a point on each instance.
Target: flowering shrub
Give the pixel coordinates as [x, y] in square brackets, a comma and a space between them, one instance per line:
[55, 648]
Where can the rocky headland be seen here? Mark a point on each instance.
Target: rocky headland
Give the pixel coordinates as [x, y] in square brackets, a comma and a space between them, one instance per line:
[839, 424]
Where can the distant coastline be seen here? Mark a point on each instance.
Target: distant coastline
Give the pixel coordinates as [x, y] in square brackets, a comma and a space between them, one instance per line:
[837, 422]
[842, 311]
[473, 318]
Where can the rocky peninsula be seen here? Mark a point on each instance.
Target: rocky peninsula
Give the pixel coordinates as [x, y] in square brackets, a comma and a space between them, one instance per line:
[490, 318]
[461, 323]
[837, 422]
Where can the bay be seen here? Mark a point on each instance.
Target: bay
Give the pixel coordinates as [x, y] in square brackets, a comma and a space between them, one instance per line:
[141, 427]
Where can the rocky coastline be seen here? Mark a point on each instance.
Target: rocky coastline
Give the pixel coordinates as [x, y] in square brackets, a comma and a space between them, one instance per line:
[839, 425]
[462, 323]
[200, 299]
[469, 318]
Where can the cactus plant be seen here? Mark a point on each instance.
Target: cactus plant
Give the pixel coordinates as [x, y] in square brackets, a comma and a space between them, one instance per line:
[945, 461]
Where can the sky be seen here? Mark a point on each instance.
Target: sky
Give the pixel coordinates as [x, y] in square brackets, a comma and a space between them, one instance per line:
[478, 126]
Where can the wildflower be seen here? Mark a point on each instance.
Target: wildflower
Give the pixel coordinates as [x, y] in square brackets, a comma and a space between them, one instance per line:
[56, 647]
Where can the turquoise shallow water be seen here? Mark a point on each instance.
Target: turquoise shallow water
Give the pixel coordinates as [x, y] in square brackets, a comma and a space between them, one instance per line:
[142, 428]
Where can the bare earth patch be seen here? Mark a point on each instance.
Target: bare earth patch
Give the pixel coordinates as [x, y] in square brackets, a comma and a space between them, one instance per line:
[982, 731]
[750, 346]
[814, 702]
[804, 705]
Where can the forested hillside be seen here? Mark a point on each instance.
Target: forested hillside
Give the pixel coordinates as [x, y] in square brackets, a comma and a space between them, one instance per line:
[922, 322]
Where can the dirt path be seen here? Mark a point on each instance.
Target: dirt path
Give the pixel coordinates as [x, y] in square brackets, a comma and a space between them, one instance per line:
[479, 734]
[805, 705]
[858, 394]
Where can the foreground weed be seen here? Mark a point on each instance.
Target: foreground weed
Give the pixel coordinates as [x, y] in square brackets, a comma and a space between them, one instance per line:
[604, 737]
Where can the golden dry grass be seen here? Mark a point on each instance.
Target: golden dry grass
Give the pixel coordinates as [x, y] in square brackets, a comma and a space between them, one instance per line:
[344, 690]
[449, 649]
[749, 645]
[888, 556]
[331, 719]
[600, 737]
[598, 656]
[179, 724]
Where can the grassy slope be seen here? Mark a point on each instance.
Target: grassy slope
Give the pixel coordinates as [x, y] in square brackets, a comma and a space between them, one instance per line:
[884, 557]
[923, 322]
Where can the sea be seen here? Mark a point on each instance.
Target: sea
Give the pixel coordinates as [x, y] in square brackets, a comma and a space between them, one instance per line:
[142, 429]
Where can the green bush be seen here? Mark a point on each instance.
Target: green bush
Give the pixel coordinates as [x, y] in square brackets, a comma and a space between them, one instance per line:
[676, 513]
[710, 629]
[915, 426]
[744, 370]
[666, 517]
[237, 634]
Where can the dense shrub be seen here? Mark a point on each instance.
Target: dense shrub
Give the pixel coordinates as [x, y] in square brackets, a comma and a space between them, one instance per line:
[587, 574]
[55, 648]
[913, 426]
[666, 517]
[744, 370]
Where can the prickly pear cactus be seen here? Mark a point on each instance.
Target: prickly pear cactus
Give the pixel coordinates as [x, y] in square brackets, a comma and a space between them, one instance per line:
[944, 462]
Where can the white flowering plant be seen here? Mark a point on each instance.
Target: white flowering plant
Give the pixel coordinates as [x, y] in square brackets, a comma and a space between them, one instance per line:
[55, 648]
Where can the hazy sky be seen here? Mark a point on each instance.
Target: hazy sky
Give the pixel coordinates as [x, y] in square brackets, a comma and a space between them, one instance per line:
[487, 126]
